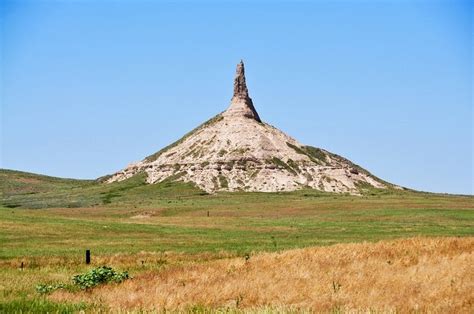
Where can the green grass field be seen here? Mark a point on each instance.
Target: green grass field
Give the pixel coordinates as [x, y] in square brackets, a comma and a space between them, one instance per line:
[47, 223]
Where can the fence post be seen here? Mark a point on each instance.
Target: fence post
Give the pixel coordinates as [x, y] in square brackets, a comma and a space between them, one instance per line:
[88, 256]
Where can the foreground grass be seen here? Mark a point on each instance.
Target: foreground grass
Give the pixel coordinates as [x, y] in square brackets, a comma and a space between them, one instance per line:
[47, 224]
[40, 306]
[418, 274]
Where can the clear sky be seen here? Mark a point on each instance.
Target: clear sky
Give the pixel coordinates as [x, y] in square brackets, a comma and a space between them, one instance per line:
[89, 86]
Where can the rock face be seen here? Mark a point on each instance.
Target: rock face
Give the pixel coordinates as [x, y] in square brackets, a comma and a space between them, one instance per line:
[236, 151]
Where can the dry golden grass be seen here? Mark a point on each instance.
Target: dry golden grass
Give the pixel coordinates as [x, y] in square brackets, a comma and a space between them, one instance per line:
[417, 274]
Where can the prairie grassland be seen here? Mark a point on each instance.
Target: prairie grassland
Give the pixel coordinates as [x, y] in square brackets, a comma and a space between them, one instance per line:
[176, 217]
[47, 224]
[416, 274]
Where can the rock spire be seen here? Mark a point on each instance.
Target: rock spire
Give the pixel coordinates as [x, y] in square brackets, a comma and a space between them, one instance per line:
[241, 103]
[240, 87]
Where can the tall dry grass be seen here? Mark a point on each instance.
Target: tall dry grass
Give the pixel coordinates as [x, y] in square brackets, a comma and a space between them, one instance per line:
[417, 274]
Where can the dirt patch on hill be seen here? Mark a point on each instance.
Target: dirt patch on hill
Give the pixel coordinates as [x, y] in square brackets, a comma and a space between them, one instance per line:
[417, 274]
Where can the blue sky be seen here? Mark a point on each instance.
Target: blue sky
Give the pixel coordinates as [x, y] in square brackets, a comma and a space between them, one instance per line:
[89, 86]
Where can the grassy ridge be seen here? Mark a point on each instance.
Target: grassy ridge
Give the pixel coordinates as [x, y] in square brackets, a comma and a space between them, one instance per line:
[24, 190]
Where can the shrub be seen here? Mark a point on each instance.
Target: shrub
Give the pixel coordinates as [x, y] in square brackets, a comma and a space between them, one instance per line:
[99, 275]
[92, 278]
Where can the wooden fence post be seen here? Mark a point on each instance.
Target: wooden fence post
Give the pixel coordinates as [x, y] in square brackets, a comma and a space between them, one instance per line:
[88, 256]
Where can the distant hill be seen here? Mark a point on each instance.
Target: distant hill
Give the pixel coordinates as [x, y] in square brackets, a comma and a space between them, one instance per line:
[14, 182]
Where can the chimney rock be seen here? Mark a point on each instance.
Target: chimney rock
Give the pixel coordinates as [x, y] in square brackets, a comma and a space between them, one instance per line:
[241, 103]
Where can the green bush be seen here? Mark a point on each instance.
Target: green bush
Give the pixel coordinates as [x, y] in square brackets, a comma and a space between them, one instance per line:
[92, 278]
[96, 276]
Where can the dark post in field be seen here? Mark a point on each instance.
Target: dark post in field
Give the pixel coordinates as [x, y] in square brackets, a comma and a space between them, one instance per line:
[88, 256]
[207, 213]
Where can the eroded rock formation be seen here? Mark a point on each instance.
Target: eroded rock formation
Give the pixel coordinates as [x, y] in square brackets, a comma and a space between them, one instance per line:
[236, 151]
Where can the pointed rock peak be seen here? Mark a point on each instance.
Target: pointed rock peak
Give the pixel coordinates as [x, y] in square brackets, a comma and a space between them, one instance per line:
[241, 103]
[240, 87]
